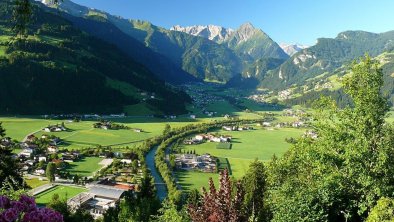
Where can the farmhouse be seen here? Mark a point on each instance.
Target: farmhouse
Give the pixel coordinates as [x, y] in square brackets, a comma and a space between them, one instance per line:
[31, 138]
[137, 130]
[39, 172]
[27, 152]
[53, 149]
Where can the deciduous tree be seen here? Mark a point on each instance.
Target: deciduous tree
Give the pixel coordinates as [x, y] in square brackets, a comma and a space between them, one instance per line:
[222, 205]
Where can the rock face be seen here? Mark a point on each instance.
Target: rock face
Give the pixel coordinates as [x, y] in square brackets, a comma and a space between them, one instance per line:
[291, 49]
[211, 32]
[247, 41]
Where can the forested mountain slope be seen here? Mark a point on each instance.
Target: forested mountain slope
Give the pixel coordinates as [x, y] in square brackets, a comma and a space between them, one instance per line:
[60, 69]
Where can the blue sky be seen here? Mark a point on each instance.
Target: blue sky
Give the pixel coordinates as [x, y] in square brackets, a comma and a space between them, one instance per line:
[290, 21]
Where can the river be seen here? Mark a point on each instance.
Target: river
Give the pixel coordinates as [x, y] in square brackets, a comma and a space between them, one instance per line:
[161, 187]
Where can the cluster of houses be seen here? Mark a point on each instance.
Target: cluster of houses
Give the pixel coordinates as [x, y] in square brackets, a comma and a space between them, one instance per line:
[55, 128]
[298, 113]
[295, 124]
[103, 125]
[106, 125]
[32, 154]
[82, 116]
[237, 128]
[204, 163]
[200, 138]
[285, 94]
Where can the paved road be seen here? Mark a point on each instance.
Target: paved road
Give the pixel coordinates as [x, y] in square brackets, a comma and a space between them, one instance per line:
[161, 188]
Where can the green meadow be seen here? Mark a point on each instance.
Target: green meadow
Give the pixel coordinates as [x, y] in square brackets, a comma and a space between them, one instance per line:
[85, 167]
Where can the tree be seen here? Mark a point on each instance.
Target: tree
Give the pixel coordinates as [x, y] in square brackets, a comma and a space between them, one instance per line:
[147, 189]
[2, 130]
[341, 174]
[76, 179]
[383, 211]
[60, 205]
[141, 206]
[219, 205]
[51, 171]
[21, 17]
[167, 129]
[169, 213]
[9, 170]
[254, 183]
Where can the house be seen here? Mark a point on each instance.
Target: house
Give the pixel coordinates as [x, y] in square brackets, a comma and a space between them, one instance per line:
[137, 130]
[193, 116]
[225, 139]
[298, 124]
[42, 158]
[31, 138]
[228, 128]
[27, 152]
[5, 142]
[126, 161]
[266, 124]
[53, 149]
[70, 157]
[199, 137]
[39, 172]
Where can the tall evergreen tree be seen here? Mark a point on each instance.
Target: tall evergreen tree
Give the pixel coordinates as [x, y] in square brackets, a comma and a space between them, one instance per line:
[255, 186]
[9, 169]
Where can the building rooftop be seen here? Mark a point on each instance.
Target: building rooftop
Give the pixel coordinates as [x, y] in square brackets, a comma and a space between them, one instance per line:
[106, 192]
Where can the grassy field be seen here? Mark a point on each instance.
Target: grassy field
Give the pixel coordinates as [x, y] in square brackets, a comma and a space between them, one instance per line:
[246, 146]
[85, 167]
[66, 192]
[35, 182]
[195, 180]
[17, 128]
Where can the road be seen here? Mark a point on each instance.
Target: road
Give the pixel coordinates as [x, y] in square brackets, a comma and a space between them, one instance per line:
[161, 187]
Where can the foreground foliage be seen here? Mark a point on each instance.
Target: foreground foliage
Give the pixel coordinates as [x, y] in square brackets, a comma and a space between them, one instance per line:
[25, 210]
[340, 175]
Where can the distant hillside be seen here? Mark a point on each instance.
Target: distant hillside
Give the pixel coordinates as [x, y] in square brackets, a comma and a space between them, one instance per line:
[328, 55]
[60, 69]
[329, 84]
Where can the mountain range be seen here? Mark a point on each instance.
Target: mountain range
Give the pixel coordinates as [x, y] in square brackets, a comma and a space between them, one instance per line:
[126, 58]
[215, 53]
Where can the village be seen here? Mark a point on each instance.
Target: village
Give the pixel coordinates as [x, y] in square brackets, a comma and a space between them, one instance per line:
[40, 158]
